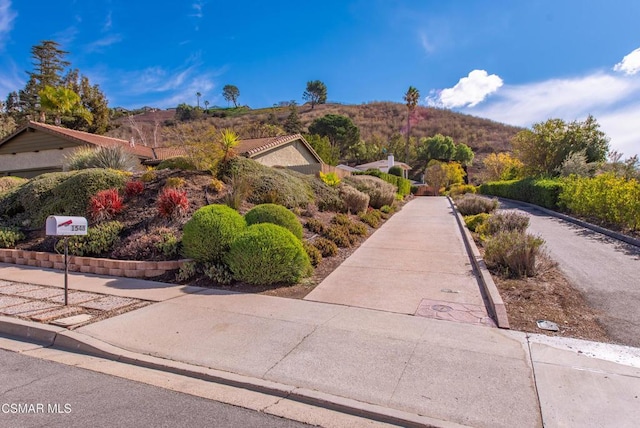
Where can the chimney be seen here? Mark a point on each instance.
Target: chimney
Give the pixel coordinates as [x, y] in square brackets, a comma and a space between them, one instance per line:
[132, 142]
[390, 161]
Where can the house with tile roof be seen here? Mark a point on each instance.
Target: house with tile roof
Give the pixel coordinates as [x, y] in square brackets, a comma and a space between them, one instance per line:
[38, 148]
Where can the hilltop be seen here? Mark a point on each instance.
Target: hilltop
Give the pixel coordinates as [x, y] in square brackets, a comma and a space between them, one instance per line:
[377, 121]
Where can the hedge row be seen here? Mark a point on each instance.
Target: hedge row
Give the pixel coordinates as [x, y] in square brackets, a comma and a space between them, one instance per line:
[543, 192]
[403, 185]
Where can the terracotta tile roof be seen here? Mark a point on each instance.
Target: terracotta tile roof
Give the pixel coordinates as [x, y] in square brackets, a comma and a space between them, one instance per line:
[93, 139]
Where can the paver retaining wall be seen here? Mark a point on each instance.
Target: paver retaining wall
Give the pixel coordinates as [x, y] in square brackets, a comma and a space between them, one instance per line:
[126, 268]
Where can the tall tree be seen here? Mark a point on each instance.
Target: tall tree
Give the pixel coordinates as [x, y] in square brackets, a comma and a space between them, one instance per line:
[411, 97]
[93, 99]
[48, 64]
[316, 93]
[545, 147]
[341, 130]
[198, 95]
[231, 93]
[293, 125]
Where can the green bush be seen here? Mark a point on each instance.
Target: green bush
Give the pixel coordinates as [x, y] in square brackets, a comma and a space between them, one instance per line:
[98, 241]
[358, 229]
[314, 225]
[326, 197]
[209, 233]
[342, 219]
[315, 256]
[9, 237]
[403, 185]
[354, 200]
[470, 204]
[276, 214]
[113, 157]
[605, 198]
[461, 189]
[473, 222]
[387, 209]
[513, 253]
[380, 192]
[395, 170]
[372, 218]
[268, 185]
[57, 193]
[266, 254]
[543, 192]
[179, 162]
[507, 221]
[326, 247]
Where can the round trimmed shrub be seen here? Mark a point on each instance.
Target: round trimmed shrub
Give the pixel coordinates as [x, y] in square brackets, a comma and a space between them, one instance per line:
[275, 214]
[267, 254]
[209, 233]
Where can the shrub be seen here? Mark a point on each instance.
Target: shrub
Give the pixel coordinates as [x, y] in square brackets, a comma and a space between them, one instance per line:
[372, 218]
[358, 229]
[155, 244]
[314, 225]
[380, 193]
[9, 237]
[461, 189]
[276, 214]
[266, 254]
[470, 204]
[330, 179]
[355, 201]
[315, 256]
[387, 209]
[210, 232]
[172, 204]
[187, 271]
[133, 188]
[339, 235]
[174, 182]
[178, 162]
[114, 157]
[326, 247]
[342, 219]
[10, 182]
[148, 176]
[543, 192]
[513, 253]
[395, 170]
[473, 222]
[105, 205]
[507, 221]
[402, 184]
[98, 241]
[217, 185]
[218, 273]
[268, 185]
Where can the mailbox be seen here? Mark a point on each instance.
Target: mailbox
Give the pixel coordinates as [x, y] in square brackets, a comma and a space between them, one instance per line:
[58, 225]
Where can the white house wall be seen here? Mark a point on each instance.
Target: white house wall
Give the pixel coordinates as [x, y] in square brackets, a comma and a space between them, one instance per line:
[45, 159]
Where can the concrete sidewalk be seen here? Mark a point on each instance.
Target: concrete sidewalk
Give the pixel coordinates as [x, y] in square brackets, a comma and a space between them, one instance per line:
[386, 365]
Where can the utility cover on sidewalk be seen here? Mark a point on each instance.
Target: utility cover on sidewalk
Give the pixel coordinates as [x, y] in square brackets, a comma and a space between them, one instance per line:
[74, 320]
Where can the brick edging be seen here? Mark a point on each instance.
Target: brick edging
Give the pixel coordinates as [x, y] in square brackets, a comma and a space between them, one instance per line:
[124, 268]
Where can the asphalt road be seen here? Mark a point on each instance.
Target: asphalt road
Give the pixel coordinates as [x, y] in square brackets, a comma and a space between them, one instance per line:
[38, 393]
[606, 270]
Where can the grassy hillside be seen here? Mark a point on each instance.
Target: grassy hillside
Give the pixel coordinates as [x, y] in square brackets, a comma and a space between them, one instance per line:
[378, 121]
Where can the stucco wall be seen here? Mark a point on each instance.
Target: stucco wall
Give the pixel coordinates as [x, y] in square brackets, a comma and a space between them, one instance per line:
[294, 153]
[33, 160]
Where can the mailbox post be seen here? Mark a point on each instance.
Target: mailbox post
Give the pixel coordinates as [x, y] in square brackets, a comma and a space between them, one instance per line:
[66, 226]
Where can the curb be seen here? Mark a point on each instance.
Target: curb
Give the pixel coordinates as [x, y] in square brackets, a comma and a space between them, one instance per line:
[593, 227]
[486, 281]
[72, 341]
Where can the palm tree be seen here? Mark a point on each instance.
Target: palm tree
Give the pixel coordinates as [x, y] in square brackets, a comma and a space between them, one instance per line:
[206, 105]
[411, 97]
[198, 95]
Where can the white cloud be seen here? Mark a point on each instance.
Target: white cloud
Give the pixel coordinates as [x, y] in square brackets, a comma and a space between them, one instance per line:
[104, 42]
[630, 64]
[6, 19]
[468, 92]
[427, 45]
[611, 99]
[108, 23]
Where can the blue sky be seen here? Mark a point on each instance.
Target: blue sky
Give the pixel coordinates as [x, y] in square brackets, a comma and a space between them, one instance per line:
[517, 62]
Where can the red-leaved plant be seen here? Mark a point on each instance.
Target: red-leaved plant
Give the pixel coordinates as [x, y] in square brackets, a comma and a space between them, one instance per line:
[133, 188]
[172, 203]
[105, 205]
